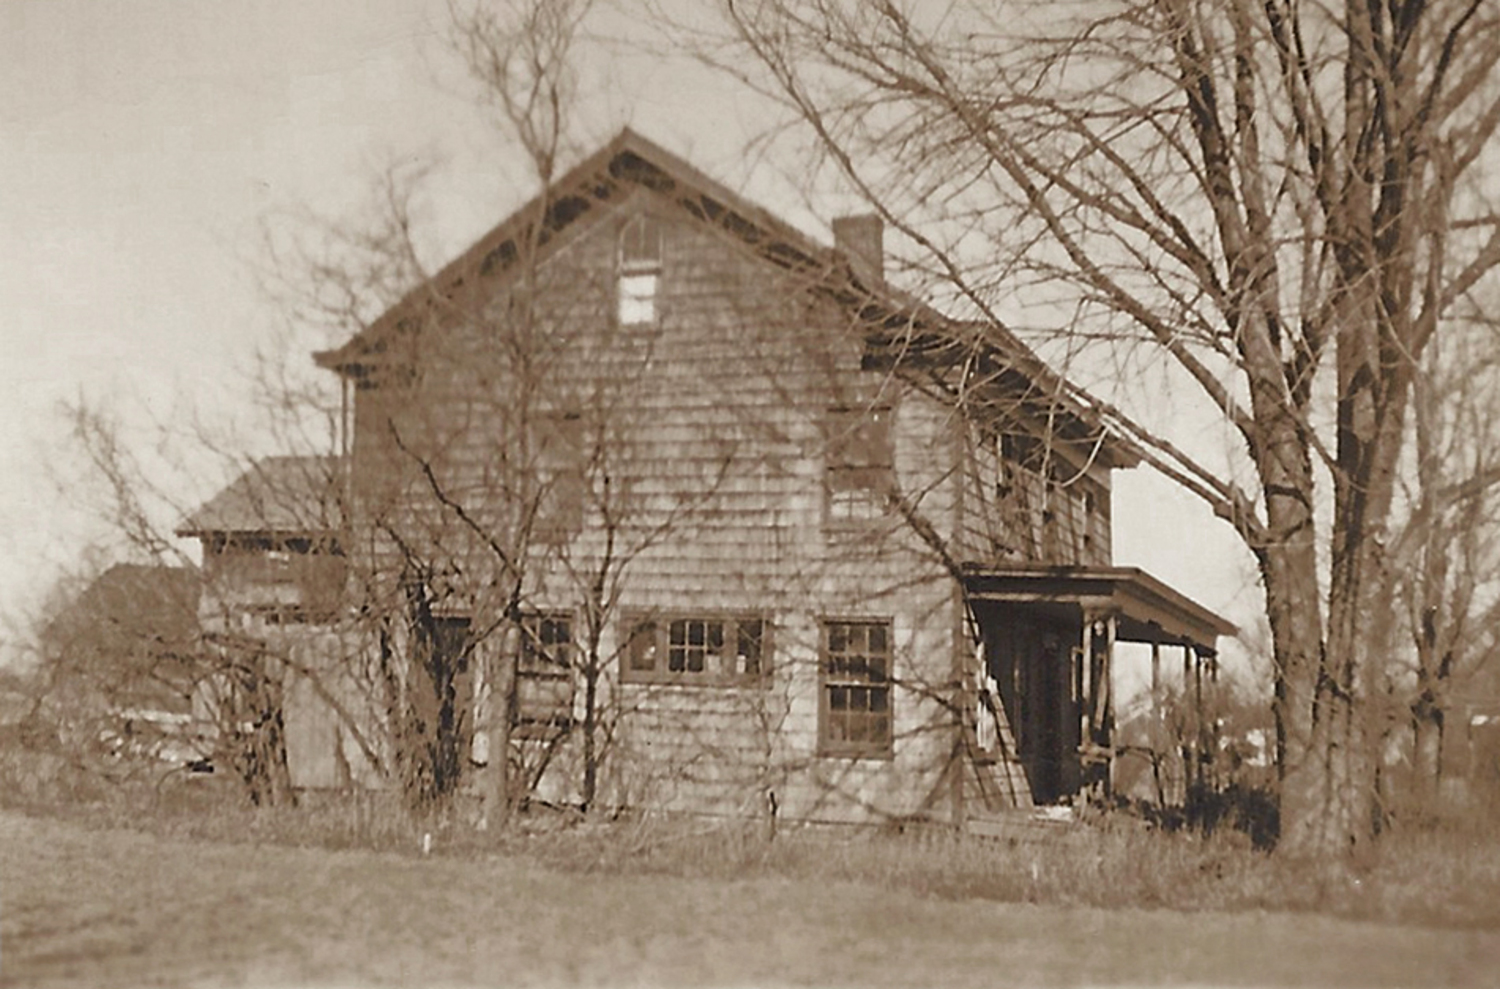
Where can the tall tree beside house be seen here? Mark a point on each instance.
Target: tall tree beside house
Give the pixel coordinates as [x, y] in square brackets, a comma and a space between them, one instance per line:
[1281, 200]
[1442, 558]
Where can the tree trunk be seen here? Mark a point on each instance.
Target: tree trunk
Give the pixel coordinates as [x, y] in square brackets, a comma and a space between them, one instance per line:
[590, 730]
[492, 781]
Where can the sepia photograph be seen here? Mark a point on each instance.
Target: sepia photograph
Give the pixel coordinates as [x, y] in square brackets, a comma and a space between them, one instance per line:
[749, 493]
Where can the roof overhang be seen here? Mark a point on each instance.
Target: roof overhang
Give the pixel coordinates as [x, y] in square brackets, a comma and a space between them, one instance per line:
[1145, 609]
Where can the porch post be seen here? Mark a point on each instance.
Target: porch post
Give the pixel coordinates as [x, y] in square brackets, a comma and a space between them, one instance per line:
[1089, 688]
[1156, 720]
[1107, 681]
[1190, 713]
[1155, 692]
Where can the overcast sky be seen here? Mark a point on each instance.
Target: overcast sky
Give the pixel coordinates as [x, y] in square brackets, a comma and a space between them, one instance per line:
[143, 143]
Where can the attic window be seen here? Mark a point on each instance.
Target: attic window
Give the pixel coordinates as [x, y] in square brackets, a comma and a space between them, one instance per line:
[640, 271]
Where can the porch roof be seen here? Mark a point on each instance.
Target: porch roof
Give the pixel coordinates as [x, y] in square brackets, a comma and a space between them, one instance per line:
[1145, 609]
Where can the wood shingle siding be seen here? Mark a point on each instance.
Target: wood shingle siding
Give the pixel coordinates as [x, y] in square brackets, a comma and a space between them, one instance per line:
[749, 426]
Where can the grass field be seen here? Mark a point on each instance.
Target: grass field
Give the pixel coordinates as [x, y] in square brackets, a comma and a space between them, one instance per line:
[90, 907]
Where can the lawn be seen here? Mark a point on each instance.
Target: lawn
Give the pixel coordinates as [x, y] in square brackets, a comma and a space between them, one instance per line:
[87, 907]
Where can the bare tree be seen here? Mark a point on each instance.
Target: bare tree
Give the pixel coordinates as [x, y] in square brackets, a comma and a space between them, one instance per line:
[1443, 554]
[1280, 200]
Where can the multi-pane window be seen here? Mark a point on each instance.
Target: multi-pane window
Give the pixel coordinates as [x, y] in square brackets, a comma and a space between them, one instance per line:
[855, 709]
[697, 649]
[640, 271]
[861, 462]
[544, 675]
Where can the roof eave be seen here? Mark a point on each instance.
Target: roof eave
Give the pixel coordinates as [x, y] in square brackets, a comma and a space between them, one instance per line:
[1167, 614]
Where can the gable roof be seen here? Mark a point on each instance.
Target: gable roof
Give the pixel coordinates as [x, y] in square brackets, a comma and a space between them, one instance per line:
[900, 329]
[296, 495]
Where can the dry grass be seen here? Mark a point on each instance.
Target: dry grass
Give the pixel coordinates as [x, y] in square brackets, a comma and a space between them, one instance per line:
[1429, 877]
[93, 907]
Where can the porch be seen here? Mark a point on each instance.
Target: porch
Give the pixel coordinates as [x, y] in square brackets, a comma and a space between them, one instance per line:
[1047, 664]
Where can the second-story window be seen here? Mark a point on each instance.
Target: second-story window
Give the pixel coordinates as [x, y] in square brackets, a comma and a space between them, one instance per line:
[561, 466]
[861, 463]
[640, 271]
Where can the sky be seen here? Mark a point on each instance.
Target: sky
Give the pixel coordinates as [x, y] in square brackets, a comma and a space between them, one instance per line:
[146, 144]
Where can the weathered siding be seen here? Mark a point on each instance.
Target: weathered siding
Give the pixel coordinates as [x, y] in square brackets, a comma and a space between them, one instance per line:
[1015, 512]
[711, 427]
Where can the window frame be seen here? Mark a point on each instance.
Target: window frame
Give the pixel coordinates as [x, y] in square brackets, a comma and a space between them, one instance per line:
[638, 276]
[868, 480]
[531, 666]
[560, 464]
[882, 747]
[661, 633]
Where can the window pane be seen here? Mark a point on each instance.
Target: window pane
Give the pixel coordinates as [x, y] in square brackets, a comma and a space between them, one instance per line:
[748, 647]
[556, 632]
[856, 718]
[637, 299]
[705, 650]
[859, 437]
[640, 242]
[643, 647]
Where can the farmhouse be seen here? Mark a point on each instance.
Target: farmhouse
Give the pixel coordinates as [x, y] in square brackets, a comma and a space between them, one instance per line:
[665, 504]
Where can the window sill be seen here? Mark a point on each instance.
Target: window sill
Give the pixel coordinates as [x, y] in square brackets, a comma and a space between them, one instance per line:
[869, 754]
[758, 682]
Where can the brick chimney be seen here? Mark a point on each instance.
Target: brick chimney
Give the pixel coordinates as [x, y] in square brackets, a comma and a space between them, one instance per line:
[861, 239]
